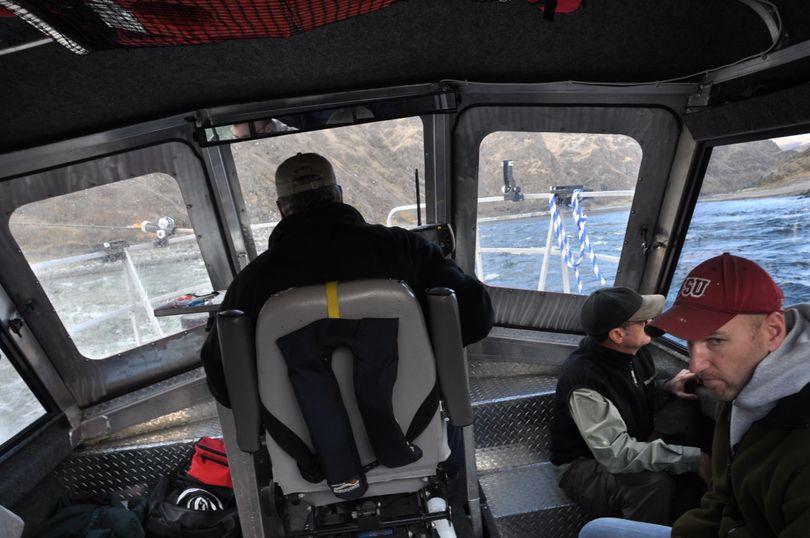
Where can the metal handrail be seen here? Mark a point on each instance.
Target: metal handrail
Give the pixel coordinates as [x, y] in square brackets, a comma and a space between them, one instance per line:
[546, 252]
[138, 298]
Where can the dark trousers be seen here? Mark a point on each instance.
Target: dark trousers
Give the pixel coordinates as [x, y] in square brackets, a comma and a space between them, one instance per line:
[645, 496]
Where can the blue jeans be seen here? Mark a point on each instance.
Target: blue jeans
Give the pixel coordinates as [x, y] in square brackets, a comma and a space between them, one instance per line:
[609, 527]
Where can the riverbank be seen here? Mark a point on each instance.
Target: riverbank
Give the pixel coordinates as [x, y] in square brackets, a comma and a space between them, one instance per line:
[796, 187]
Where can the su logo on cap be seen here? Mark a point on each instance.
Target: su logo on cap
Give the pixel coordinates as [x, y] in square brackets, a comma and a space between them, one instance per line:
[695, 287]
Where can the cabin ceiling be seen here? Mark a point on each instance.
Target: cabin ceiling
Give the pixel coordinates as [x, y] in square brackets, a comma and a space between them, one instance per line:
[49, 93]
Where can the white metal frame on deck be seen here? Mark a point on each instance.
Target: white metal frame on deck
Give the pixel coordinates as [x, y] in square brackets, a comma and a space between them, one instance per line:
[546, 252]
[138, 298]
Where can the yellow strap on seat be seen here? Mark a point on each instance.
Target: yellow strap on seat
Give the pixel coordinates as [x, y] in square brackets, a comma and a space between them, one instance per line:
[332, 306]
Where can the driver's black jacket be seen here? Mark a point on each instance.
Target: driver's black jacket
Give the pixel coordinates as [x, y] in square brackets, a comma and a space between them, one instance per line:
[335, 243]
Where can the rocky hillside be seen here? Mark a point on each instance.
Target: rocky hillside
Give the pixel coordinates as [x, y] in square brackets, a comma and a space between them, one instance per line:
[599, 162]
[742, 166]
[375, 163]
[795, 168]
[83, 220]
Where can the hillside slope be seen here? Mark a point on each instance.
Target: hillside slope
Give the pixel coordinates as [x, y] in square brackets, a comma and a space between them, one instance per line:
[375, 163]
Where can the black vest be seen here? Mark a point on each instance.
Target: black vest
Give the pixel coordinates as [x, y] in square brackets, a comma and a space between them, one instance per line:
[626, 380]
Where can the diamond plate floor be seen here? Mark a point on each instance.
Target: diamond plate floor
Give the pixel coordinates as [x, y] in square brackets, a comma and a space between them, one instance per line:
[487, 368]
[128, 463]
[526, 502]
[125, 474]
[514, 423]
[514, 406]
[511, 420]
[495, 389]
[498, 458]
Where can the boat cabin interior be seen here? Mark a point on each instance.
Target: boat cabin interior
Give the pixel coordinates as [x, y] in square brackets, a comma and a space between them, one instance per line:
[549, 147]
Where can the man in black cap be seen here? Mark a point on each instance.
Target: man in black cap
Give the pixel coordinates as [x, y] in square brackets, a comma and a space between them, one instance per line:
[602, 434]
[321, 239]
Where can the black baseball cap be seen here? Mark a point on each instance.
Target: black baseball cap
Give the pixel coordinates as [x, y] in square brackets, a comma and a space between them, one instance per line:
[609, 308]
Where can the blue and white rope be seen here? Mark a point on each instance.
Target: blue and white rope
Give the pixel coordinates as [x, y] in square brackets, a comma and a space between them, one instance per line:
[584, 241]
[585, 247]
[562, 240]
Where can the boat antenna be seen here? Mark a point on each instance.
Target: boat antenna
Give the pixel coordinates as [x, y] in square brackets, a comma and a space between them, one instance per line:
[418, 203]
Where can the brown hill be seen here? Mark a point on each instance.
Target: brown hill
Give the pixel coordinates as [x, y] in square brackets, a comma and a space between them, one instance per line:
[741, 166]
[375, 163]
[796, 168]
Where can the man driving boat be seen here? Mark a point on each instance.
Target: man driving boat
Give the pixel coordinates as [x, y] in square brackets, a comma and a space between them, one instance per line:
[321, 239]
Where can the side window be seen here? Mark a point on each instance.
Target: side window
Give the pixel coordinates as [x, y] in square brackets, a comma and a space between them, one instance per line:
[553, 209]
[18, 406]
[754, 203]
[107, 257]
[375, 163]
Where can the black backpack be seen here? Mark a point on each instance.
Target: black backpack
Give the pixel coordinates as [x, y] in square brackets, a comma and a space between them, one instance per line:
[180, 506]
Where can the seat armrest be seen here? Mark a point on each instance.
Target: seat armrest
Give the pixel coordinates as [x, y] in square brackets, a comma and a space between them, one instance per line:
[451, 357]
[238, 350]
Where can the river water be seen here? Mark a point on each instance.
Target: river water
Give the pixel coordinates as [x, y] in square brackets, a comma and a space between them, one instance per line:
[773, 232]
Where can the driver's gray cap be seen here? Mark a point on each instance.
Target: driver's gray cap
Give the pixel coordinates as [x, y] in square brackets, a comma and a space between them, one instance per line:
[303, 172]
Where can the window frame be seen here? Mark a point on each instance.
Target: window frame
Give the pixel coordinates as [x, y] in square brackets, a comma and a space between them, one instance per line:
[656, 130]
[157, 150]
[536, 201]
[116, 274]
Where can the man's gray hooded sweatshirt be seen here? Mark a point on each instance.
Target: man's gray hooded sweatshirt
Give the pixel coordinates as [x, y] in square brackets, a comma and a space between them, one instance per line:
[782, 373]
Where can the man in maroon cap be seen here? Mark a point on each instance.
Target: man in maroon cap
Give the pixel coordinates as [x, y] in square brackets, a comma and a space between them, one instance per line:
[754, 357]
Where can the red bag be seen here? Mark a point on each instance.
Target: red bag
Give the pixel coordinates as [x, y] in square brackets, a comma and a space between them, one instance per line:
[550, 7]
[209, 463]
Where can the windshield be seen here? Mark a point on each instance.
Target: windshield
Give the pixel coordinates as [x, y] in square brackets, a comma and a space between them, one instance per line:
[553, 209]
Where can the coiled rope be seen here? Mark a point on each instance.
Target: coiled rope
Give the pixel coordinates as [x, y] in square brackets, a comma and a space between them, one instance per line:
[585, 247]
[584, 241]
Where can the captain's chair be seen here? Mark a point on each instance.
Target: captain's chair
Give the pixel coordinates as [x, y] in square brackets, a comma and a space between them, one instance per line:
[383, 437]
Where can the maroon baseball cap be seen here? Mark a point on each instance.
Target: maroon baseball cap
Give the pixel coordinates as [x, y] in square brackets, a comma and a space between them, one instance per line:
[714, 292]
